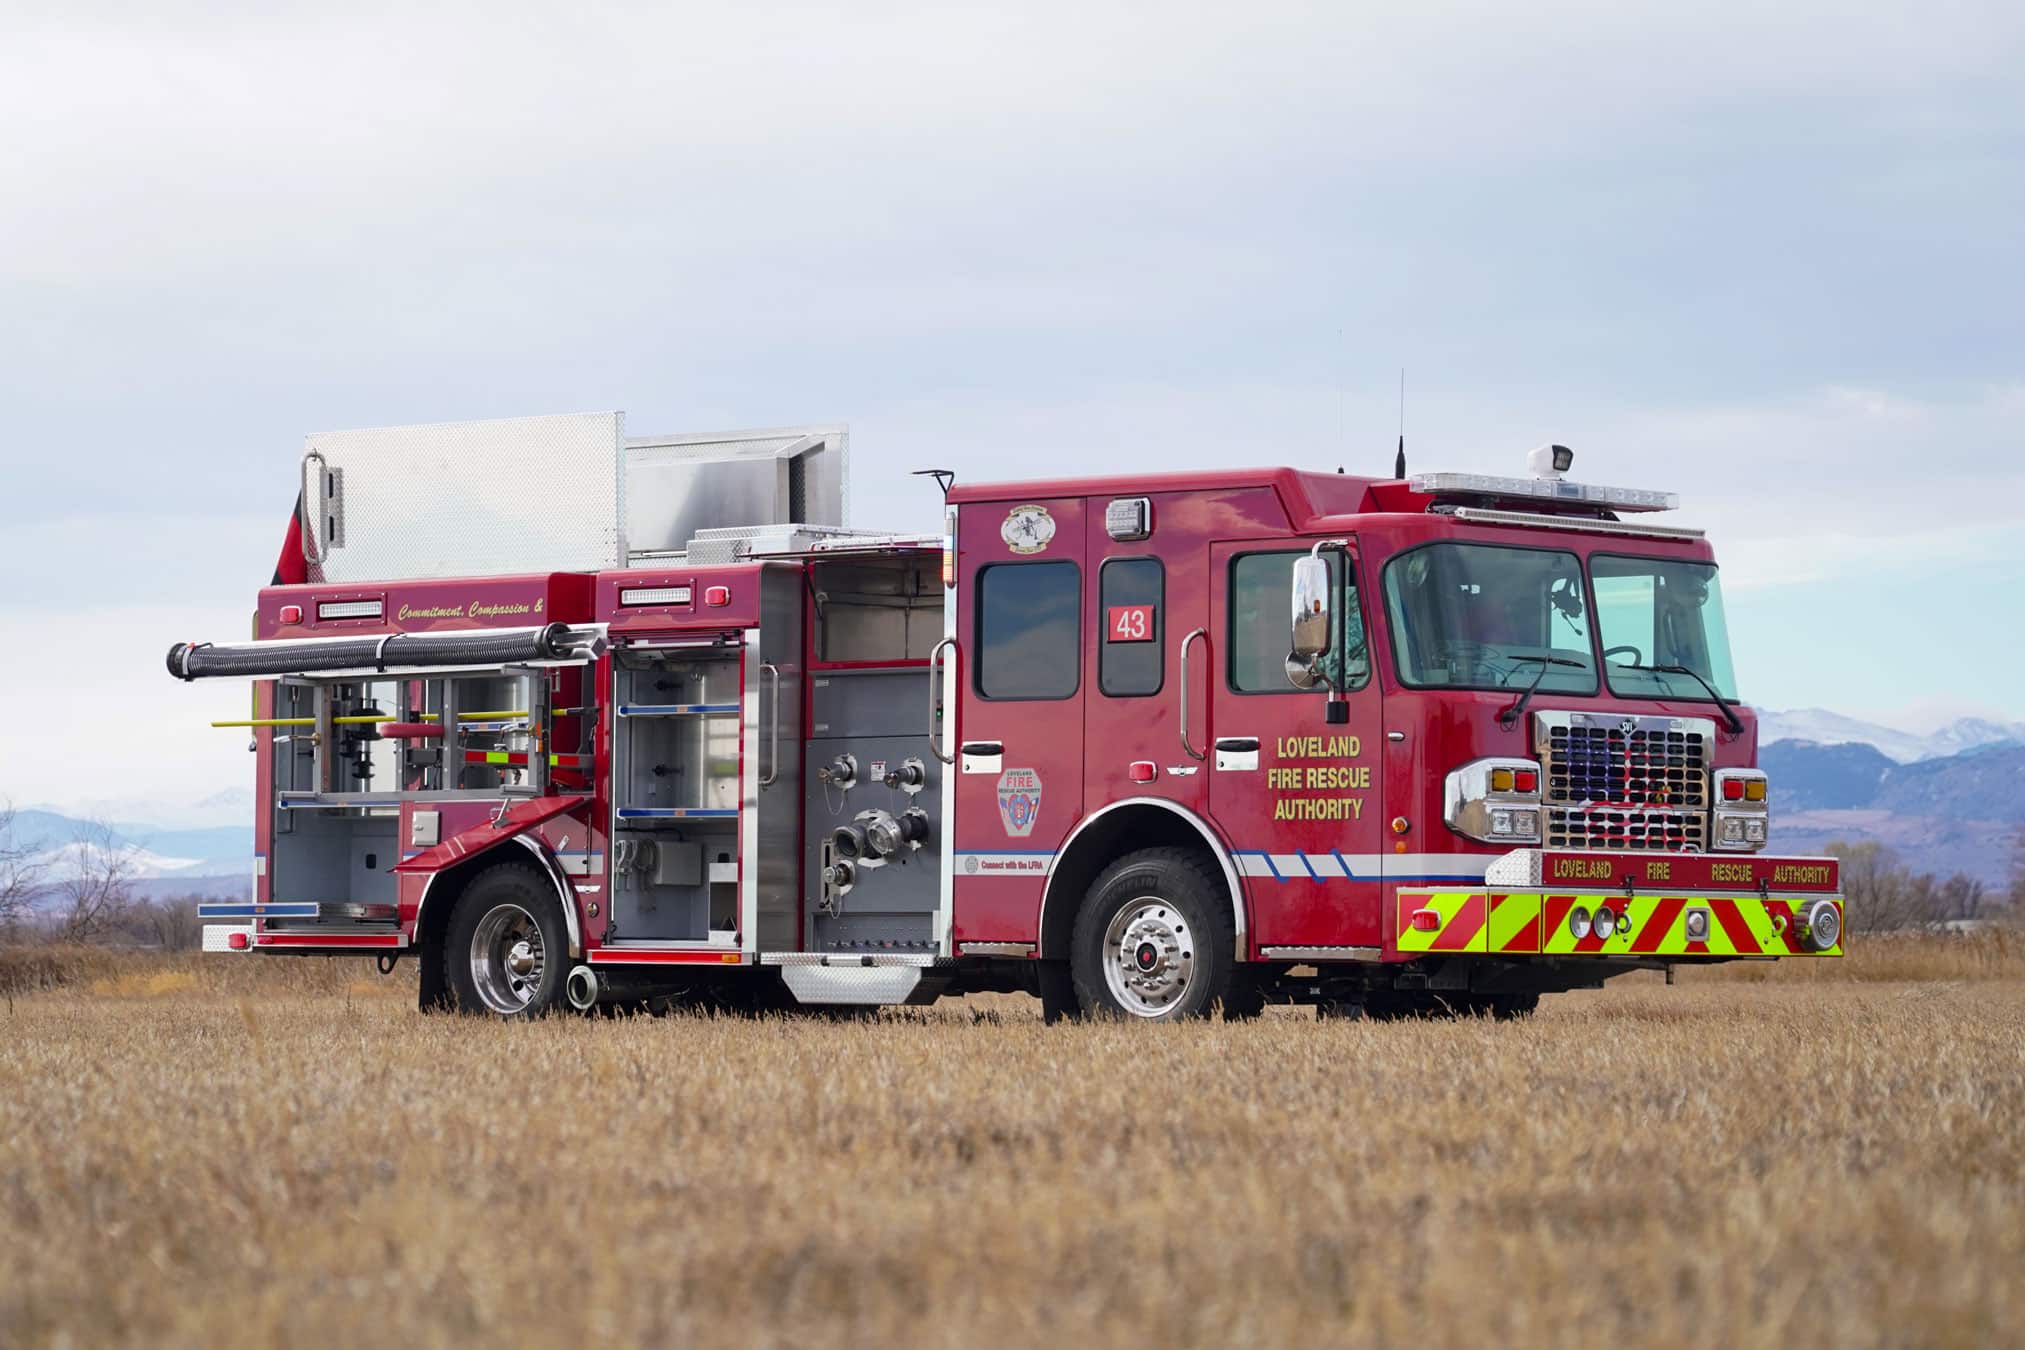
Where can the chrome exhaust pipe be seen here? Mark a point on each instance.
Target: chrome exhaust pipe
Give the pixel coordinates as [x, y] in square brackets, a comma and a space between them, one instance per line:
[581, 988]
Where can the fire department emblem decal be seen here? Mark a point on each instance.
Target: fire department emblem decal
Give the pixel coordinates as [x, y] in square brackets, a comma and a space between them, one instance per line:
[1027, 529]
[1019, 801]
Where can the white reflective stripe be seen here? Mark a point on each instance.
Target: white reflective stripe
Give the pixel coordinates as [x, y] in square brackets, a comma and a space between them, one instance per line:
[1436, 866]
[1327, 866]
[1289, 866]
[1335, 866]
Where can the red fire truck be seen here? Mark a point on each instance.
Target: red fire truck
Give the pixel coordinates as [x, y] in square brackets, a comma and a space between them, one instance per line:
[577, 718]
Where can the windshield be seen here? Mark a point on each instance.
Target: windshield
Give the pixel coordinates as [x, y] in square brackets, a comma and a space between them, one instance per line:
[1655, 612]
[1480, 616]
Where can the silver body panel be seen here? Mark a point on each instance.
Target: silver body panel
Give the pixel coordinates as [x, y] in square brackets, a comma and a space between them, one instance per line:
[521, 494]
[563, 493]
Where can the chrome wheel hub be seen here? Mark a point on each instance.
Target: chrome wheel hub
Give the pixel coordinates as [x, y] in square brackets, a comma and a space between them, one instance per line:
[507, 959]
[1149, 957]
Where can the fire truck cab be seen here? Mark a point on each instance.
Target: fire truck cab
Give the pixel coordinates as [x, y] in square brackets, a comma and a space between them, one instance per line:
[1148, 745]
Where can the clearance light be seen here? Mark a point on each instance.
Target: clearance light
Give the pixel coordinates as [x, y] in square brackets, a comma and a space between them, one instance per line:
[1733, 790]
[236, 941]
[654, 595]
[717, 597]
[1426, 921]
[1754, 790]
[349, 609]
[291, 614]
[1548, 489]
[1502, 780]
[1526, 780]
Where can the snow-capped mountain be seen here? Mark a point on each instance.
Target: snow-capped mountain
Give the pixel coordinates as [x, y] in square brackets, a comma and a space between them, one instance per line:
[1831, 728]
[228, 808]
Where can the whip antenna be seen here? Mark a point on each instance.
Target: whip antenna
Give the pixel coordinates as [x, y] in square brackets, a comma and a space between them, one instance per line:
[1399, 464]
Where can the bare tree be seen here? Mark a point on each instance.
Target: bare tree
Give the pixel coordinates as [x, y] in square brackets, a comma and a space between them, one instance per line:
[20, 870]
[1879, 893]
[1962, 896]
[95, 886]
[172, 924]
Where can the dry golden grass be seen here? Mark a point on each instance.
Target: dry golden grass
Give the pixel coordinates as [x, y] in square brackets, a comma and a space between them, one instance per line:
[1797, 1162]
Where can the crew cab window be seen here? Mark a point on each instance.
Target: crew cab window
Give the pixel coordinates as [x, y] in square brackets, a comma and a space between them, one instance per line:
[1131, 598]
[1028, 625]
[1482, 616]
[1260, 625]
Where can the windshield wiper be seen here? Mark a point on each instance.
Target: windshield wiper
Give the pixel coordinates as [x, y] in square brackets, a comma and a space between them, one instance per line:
[1518, 707]
[1729, 713]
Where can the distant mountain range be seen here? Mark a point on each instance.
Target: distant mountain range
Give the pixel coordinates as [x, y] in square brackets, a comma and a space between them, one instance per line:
[211, 861]
[1961, 736]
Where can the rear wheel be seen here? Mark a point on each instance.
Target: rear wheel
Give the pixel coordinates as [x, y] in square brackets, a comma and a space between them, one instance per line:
[507, 953]
[1154, 938]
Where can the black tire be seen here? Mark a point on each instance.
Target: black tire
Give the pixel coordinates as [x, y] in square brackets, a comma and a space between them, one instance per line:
[1243, 1001]
[1178, 902]
[510, 903]
[1058, 993]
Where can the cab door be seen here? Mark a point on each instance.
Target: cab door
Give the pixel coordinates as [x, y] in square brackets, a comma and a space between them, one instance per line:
[1293, 786]
[1021, 617]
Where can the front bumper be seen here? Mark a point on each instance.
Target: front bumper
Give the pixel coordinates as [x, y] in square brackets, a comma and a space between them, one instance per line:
[1674, 906]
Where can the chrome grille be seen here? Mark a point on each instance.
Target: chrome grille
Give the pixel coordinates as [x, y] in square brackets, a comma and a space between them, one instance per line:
[1609, 827]
[1612, 781]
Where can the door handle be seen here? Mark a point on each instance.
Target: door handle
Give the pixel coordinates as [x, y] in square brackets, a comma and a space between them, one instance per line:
[983, 747]
[1187, 747]
[1237, 743]
[934, 704]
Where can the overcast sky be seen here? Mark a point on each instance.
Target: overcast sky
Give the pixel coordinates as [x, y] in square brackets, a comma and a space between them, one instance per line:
[1771, 260]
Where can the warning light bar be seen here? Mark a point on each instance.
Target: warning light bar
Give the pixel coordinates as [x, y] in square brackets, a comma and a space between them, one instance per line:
[349, 609]
[654, 595]
[1549, 489]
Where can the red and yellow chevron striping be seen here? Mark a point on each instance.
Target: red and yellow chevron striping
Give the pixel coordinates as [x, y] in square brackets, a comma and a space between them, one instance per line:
[1648, 925]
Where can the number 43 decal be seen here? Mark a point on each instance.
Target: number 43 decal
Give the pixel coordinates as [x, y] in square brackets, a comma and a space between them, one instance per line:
[1129, 623]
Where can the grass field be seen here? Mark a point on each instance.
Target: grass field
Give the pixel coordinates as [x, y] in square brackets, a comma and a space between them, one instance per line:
[217, 1153]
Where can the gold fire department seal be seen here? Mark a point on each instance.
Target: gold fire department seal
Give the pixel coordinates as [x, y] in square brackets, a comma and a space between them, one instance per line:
[1027, 529]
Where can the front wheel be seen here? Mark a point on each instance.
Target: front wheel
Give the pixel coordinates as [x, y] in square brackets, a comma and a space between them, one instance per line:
[1154, 938]
[508, 948]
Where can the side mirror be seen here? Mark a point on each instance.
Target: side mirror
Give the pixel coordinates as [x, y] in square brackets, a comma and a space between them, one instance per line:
[1310, 606]
[1303, 672]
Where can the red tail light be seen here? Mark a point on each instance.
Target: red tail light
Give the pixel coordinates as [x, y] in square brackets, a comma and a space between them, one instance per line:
[718, 596]
[1526, 780]
[1733, 789]
[1426, 921]
[291, 614]
[1142, 771]
[236, 941]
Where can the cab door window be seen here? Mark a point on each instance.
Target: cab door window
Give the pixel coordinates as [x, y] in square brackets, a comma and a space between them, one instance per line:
[1260, 584]
[1028, 629]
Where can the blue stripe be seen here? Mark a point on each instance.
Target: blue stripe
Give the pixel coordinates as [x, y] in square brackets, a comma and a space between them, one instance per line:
[676, 812]
[1313, 875]
[1337, 854]
[286, 910]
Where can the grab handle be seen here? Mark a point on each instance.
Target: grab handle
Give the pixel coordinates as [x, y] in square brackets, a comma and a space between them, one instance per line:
[935, 668]
[1187, 747]
[773, 737]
